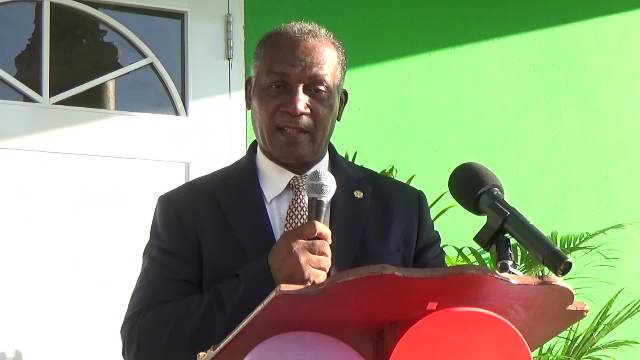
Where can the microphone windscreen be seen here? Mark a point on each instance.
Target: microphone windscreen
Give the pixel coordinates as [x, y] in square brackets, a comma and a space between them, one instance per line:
[321, 185]
[468, 181]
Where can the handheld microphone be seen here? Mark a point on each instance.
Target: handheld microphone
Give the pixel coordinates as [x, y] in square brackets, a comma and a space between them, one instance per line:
[321, 186]
[479, 191]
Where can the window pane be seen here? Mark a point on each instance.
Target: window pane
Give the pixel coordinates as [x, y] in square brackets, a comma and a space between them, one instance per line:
[161, 31]
[83, 48]
[142, 91]
[138, 91]
[9, 93]
[20, 45]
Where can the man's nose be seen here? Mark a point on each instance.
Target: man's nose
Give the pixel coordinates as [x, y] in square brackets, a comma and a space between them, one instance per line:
[298, 102]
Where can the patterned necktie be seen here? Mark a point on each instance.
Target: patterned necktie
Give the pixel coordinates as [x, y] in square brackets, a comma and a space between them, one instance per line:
[297, 211]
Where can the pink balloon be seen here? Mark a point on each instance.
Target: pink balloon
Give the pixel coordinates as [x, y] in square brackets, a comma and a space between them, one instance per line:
[303, 345]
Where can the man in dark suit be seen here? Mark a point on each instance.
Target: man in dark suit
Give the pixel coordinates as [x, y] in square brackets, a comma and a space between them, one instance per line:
[221, 243]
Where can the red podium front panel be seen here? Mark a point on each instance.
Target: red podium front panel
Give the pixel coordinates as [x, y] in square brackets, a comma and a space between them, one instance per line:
[371, 308]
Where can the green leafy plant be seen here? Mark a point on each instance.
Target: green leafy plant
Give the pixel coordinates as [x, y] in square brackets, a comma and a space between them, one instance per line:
[589, 343]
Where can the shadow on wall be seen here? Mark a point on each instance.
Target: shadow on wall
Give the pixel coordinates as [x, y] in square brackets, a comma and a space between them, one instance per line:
[375, 31]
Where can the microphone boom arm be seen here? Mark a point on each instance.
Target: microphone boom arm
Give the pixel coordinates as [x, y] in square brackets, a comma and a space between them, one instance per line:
[503, 219]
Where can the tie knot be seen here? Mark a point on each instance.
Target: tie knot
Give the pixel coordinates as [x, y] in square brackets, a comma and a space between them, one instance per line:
[298, 182]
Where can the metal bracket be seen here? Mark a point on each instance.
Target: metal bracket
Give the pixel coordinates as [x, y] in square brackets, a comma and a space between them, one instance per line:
[496, 216]
[229, 34]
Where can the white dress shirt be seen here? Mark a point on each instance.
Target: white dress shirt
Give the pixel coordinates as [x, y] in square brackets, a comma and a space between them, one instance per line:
[273, 180]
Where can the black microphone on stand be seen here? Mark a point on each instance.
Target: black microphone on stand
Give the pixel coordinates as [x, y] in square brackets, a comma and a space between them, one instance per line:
[479, 191]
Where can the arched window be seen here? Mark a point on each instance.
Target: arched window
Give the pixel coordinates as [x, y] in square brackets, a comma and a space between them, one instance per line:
[92, 55]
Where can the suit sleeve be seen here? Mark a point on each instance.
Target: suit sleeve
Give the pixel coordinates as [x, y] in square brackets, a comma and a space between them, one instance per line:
[428, 252]
[170, 315]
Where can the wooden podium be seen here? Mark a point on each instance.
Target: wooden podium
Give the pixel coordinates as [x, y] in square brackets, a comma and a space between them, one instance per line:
[375, 309]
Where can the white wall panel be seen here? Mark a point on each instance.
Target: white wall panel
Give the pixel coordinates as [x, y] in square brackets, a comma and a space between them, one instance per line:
[72, 231]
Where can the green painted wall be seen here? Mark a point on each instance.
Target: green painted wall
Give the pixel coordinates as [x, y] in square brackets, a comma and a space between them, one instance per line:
[545, 93]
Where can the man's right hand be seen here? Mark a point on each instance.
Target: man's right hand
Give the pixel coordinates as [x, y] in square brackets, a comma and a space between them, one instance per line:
[295, 259]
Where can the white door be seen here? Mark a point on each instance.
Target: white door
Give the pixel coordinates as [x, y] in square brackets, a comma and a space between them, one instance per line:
[104, 106]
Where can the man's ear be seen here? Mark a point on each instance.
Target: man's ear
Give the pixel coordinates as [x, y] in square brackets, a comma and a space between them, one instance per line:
[248, 87]
[344, 97]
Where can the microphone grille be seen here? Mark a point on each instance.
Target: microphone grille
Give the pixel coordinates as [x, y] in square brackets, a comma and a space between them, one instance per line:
[321, 185]
[468, 181]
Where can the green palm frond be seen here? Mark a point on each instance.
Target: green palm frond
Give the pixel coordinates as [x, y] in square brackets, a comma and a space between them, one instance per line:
[443, 211]
[390, 171]
[589, 343]
[586, 343]
[410, 179]
[434, 202]
[351, 159]
[467, 255]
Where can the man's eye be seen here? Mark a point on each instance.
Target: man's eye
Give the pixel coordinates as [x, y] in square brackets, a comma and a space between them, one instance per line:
[319, 90]
[277, 85]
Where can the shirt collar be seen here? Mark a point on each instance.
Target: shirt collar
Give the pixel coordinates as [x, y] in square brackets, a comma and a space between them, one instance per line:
[274, 178]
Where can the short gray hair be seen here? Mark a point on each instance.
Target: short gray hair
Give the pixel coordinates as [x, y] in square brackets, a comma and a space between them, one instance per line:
[302, 30]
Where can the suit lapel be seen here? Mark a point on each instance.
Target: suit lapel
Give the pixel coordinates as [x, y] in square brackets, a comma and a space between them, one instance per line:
[243, 205]
[349, 209]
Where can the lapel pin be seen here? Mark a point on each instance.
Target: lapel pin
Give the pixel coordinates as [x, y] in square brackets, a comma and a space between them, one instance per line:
[358, 194]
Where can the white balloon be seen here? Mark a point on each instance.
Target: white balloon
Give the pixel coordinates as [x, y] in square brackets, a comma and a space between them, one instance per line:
[303, 345]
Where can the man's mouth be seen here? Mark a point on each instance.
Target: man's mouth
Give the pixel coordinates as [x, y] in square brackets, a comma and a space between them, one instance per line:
[292, 131]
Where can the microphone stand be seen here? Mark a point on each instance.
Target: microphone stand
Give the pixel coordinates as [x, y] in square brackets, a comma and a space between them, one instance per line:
[504, 255]
[492, 234]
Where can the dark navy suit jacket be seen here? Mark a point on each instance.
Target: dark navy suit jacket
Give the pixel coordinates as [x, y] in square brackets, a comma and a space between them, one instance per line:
[205, 266]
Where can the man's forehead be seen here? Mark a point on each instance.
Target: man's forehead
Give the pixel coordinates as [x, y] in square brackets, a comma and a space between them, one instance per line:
[297, 54]
[309, 73]
[280, 42]
[290, 57]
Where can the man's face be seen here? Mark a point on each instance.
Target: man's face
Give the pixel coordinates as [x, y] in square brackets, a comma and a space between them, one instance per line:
[295, 98]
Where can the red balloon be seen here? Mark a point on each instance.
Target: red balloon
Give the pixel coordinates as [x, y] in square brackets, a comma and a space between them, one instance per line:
[459, 333]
